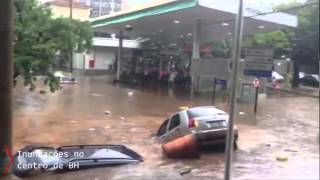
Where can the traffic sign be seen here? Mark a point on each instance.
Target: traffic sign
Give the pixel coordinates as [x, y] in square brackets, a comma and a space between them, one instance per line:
[258, 66]
[257, 73]
[256, 83]
[259, 52]
[259, 59]
[258, 62]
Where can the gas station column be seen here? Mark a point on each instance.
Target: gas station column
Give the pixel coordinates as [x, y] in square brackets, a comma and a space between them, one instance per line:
[196, 40]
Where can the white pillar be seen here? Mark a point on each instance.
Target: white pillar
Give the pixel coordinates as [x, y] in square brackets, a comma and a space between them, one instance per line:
[119, 55]
[196, 40]
[196, 52]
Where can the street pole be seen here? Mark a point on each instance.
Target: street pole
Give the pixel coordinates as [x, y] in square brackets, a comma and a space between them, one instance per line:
[256, 100]
[214, 91]
[236, 55]
[70, 8]
[100, 7]
[6, 80]
[119, 55]
[70, 44]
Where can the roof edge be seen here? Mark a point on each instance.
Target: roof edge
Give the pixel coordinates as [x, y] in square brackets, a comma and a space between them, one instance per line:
[171, 6]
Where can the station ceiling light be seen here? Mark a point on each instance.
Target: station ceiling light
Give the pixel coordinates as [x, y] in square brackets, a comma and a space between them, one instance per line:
[181, 36]
[225, 24]
[189, 34]
[176, 21]
[261, 27]
[229, 33]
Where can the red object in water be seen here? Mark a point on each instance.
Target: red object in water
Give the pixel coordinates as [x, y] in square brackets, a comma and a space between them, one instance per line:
[91, 63]
[184, 147]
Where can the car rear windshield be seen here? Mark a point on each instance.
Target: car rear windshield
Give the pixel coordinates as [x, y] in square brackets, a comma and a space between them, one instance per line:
[193, 113]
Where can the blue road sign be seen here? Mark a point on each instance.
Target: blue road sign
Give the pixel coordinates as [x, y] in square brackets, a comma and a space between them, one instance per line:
[257, 73]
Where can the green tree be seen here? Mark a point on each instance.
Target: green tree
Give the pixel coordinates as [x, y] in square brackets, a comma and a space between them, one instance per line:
[305, 36]
[39, 38]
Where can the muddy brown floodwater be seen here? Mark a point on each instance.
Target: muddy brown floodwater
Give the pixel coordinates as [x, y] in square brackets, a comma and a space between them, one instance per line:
[75, 115]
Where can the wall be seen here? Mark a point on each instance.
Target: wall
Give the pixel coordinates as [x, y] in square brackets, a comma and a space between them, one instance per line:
[64, 11]
[78, 60]
[104, 58]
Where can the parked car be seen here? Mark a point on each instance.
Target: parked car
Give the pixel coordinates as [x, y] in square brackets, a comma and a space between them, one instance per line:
[276, 76]
[310, 80]
[207, 123]
[65, 78]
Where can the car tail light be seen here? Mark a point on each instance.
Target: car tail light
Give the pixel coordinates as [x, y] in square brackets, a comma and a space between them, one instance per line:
[193, 123]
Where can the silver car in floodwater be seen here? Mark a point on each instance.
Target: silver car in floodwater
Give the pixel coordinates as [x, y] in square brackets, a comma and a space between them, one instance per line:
[207, 123]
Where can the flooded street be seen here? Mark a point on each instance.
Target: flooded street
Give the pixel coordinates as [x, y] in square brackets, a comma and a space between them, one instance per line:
[285, 123]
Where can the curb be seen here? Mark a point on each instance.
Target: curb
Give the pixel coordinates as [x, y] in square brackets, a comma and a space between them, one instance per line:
[297, 92]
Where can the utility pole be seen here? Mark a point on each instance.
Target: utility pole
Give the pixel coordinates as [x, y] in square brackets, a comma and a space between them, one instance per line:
[6, 80]
[100, 7]
[70, 8]
[236, 58]
[70, 44]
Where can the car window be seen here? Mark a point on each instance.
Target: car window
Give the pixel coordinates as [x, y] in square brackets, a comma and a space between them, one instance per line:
[198, 112]
[175, 121]
[163, 128]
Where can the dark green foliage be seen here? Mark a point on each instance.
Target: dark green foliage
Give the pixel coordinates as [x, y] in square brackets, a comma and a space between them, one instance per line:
[39, 38]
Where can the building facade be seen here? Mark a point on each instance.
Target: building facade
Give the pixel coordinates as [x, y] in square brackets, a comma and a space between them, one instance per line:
[104, 7]
[61, 8]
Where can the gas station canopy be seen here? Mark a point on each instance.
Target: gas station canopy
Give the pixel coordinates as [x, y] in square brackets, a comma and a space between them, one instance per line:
[172, 20]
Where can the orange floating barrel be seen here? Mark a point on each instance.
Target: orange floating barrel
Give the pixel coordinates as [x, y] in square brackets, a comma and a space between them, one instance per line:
[184, 147]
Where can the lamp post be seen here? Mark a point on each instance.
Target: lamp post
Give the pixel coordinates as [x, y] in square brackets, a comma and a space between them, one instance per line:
[70, 44]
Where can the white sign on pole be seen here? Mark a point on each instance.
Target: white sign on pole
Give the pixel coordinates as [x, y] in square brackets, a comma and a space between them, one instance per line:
[258, 66]
[258, 62]
[259, 59]
[259, 52]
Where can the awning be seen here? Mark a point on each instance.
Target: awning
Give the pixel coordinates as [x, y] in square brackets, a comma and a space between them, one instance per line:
[172, 21]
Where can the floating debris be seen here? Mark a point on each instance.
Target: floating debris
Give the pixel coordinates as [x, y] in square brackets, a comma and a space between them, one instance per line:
[98, 95]
[290, 150]
[185, 171]
[282, 157]
[73, 121]
[43, 92]
[130, 93]
[107, 112]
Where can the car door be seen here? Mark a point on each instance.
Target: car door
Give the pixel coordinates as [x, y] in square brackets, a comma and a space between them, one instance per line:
[174, 128]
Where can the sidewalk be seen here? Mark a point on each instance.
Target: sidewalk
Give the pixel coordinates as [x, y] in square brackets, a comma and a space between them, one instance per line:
[302, 90]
